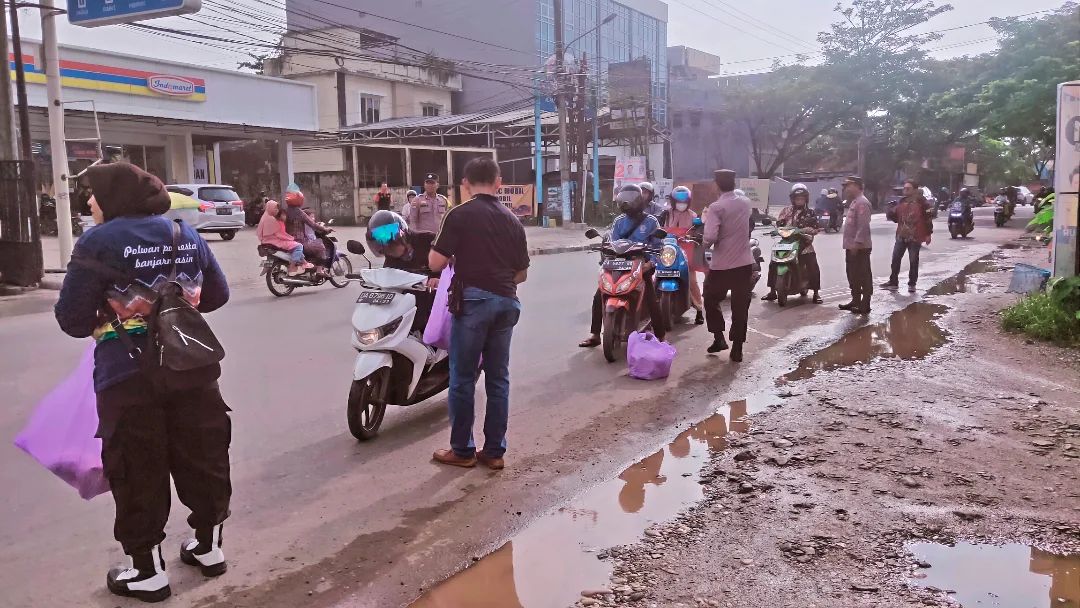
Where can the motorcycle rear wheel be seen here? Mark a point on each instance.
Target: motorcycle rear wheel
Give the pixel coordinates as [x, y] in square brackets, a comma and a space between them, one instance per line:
[613, 322]
[365, 412]
[273, 281]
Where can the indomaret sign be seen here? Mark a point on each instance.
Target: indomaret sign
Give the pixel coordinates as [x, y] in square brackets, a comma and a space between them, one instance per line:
[92, 13]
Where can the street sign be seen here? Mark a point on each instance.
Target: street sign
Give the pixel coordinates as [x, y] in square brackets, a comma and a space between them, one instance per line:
[92, 13]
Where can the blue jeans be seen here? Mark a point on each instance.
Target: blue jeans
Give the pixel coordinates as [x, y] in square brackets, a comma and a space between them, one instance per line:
[481, 335]
[912, 249]
[297, 254]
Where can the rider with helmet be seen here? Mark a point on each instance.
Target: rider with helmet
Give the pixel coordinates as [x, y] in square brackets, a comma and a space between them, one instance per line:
[635, 224]
[304, 228]
[653, 206]
[678, 221]
[799, 215]
[966, 201]
[388, 235]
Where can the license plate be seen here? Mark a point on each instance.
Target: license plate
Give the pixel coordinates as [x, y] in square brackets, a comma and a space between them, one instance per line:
[784, 247]
[668, 274]
[377, 298]
[224, 211]
[618, 265]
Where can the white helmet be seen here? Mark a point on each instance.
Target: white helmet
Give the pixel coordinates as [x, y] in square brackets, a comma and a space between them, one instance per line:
[824, 192]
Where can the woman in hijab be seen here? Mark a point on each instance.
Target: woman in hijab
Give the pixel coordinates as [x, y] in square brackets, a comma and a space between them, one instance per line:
[149, 433]
[271, 231]
[679, 220]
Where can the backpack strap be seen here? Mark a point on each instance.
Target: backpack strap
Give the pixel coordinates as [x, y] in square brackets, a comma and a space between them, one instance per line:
[175, 252]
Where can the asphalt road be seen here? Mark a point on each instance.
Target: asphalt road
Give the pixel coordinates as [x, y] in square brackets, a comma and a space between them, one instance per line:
[320, 520]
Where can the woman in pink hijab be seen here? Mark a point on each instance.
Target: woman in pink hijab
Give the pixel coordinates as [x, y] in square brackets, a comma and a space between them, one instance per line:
[271, 231]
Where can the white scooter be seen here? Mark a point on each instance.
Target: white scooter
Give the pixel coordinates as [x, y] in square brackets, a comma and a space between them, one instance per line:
[393, 365]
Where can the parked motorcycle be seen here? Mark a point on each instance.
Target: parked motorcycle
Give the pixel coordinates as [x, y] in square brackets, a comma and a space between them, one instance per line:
[393, 365]
[755, 275]
[47, 218]
[960, 224]
[790, 279]
[622, 287]
[275, 267]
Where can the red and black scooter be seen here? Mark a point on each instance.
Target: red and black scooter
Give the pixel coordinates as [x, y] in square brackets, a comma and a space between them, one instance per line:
[622, 287]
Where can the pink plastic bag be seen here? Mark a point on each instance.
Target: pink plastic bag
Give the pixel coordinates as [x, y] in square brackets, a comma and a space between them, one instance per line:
[437, 331]
[649, 358]
[60, 434]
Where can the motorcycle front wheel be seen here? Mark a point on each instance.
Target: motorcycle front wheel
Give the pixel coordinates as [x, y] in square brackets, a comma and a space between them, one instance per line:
[667, 310]
[274, 282]
[366, 408]
[612, 323]
[341, 267]
[783, 284]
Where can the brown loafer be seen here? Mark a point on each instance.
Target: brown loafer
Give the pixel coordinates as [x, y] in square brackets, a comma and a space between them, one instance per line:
[450, 458]
[493, 463]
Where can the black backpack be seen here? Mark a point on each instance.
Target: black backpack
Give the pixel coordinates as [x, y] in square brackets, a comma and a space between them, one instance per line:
[182, 351]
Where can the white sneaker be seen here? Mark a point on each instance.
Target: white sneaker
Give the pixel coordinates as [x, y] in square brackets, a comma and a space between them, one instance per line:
[144, 578]
[206, 557]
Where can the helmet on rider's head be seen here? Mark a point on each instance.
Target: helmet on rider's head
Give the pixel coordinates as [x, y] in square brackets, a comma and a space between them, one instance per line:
[648, 191]
[680, 194]
[824, 192]
[385, 228]
[294, 198]
[798, 190]
[965, 192]
[630, 200]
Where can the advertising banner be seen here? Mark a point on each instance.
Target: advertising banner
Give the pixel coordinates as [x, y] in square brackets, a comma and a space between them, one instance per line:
[757, 190]
[518, 199]
[629, 170]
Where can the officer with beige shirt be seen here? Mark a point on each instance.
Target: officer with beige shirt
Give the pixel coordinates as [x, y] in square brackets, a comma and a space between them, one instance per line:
[730, 265]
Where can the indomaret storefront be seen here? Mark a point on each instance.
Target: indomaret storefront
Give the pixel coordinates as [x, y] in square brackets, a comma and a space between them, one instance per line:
[183, 123]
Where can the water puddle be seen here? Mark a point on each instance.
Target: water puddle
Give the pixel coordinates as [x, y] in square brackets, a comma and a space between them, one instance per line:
[962, 283]
[910, 333]
[1009, 576]
[552, 561]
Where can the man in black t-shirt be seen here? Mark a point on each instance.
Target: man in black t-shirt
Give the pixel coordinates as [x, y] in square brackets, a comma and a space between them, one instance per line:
[487, 244]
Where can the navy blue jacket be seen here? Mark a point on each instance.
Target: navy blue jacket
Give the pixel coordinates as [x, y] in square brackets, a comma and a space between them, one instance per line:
[140, 247]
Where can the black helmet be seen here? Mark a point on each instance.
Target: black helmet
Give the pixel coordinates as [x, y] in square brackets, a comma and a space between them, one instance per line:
[630, 200]
[384, 228]
[965, 192]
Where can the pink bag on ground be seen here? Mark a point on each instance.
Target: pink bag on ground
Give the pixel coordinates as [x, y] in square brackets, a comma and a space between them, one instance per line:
[437, 331]
[60, 434]
[649, 358]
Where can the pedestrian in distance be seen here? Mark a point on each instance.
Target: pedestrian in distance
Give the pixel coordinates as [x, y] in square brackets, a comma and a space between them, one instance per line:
[152, 425]
[427, 210]
[487, 244]
[410, 196]
[914, 224]
[383, 198]
[731, 264]
[857, 247]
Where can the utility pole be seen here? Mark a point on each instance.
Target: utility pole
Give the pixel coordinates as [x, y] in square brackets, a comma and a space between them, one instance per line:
[582, 125]
[7, 122]
[57, 139]
[561, 100]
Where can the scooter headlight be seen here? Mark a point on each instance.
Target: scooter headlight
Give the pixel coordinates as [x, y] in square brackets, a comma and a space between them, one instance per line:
[668, 256]
[368, 337]
[605, 281]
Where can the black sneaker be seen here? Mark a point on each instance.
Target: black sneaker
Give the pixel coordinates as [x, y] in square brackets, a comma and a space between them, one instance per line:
[736, 352]
[719, 344]
[849, 306]
[699, 319]
[143, 579]
[911, 289]
[769, 297]
[206, 555]
[889, 285]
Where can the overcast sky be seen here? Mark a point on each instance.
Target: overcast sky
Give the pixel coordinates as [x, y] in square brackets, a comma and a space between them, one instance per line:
[736, 31]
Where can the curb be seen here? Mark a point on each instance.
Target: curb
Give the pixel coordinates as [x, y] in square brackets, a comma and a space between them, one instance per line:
[554, 250]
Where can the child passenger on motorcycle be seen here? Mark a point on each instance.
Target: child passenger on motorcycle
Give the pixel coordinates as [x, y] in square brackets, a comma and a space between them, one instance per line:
[799, 215]
[638, 226]
[388, 235]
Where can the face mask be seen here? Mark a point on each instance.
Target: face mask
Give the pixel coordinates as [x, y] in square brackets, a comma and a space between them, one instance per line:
[682, 206]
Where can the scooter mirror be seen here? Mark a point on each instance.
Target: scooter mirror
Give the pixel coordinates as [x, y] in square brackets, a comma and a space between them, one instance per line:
[660, 233]
[766, 221]
[591, 233]
[355, 247]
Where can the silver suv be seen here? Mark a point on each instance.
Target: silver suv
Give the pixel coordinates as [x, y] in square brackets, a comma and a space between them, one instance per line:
[220, 208]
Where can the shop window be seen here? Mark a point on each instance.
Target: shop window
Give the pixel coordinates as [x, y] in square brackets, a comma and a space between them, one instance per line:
[695, 119]
[676, 120]
[430, 109]
[370, 109]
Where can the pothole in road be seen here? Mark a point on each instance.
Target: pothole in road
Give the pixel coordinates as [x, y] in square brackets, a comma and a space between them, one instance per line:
[910, 333]
[961, 282]
[1008, 576]
[554, 559]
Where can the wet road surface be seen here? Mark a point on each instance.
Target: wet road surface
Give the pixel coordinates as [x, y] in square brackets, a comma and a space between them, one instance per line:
[319, 519]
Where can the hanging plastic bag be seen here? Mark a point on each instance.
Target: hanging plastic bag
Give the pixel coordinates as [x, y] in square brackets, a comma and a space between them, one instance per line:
[437, 331]
[60, 434]
[649, 358]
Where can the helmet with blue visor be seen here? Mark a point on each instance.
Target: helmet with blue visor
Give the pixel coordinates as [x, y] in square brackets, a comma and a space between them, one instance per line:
[384, 229]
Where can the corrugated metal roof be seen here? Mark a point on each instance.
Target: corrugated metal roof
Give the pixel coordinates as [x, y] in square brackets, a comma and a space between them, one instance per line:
[511, 116]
